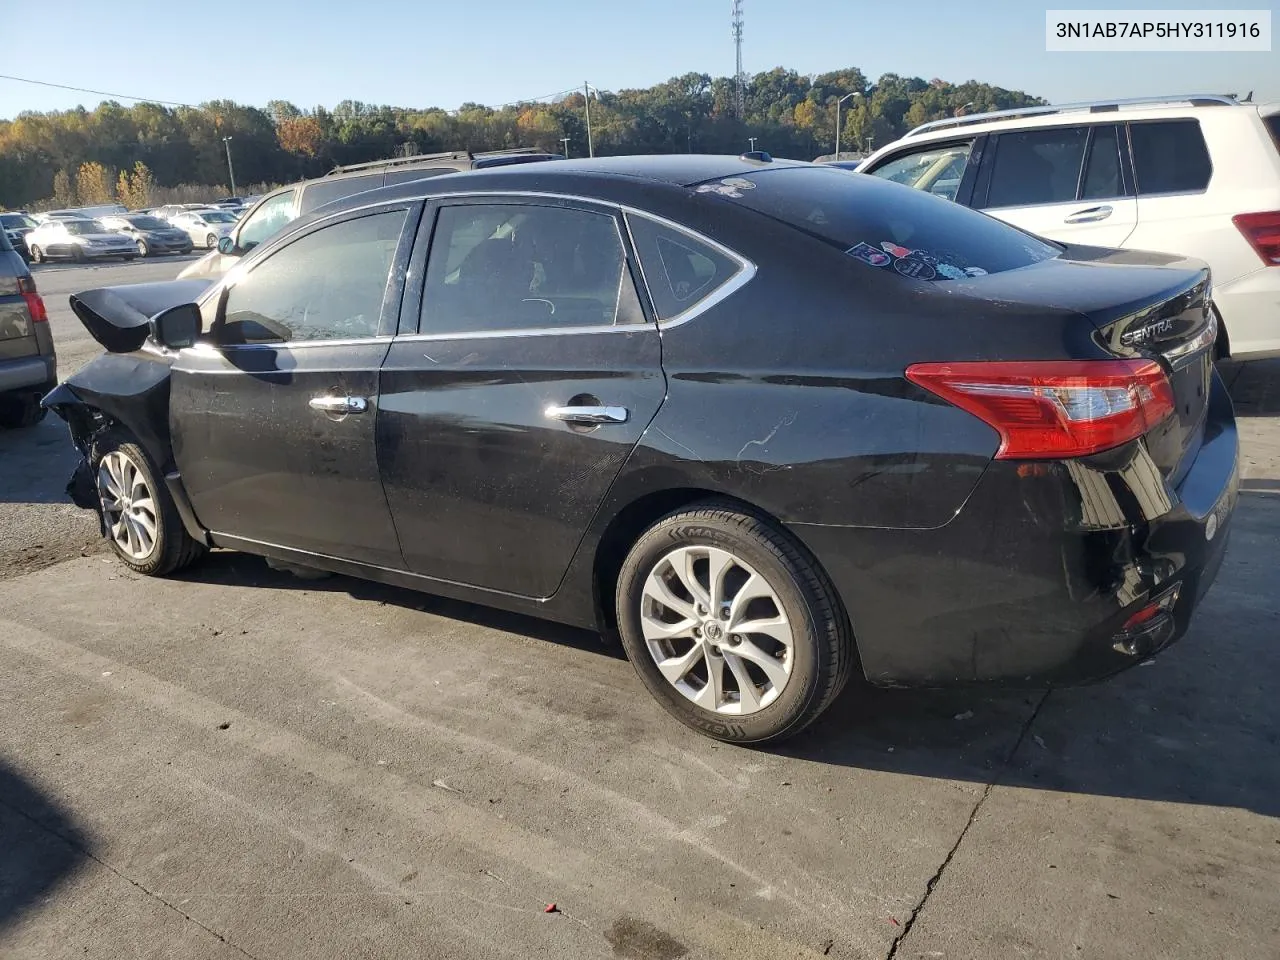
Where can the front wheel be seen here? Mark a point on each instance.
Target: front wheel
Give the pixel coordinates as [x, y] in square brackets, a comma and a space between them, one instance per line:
[37, 255]
[211, 241]
[143, 249]
[731, 625]
[140, 517]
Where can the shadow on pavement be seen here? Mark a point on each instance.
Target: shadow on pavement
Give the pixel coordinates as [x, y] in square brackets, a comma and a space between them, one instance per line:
[40, 846]
[37, 463]
[1254, 387]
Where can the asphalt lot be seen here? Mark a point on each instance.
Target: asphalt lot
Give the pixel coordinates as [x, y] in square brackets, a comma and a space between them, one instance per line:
[239, 764]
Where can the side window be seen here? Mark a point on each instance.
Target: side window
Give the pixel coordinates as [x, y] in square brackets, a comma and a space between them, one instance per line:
[327, 285]
[495, 267]
[938, 170]
[1169, 156]
[266, 220]
[680, 270]
[1037, 166]
[319, 192]
[1102, 179]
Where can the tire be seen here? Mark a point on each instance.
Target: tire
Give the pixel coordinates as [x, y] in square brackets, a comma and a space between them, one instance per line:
[37, 255]
[129, 256]
[18, 412]
[211, 241]
[77, 253]
[187, 250]
[120, 465]
[143, 249]
[802, 679]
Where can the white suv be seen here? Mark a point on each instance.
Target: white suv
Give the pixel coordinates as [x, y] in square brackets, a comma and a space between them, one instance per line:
[1197, 176]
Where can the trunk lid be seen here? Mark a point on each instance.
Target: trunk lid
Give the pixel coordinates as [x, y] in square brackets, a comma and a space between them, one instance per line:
[17, 332]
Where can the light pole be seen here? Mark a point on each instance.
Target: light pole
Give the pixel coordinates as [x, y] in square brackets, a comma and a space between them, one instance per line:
[564, 142]
[752, 141]
[838, 102]
[586, 102]
[226, 142]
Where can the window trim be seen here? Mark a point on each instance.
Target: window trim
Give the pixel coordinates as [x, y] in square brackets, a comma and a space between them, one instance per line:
[392, 295]
[1126, 182]
[1133, 159]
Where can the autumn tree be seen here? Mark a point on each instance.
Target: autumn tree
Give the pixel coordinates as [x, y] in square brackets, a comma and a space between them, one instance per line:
[134, 189]
[93, 184]
[64, 194]
[300, 135]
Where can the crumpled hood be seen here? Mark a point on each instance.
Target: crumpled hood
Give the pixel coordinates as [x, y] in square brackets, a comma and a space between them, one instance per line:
[118, 317]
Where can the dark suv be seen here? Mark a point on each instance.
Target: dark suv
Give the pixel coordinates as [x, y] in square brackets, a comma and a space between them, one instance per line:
[285, 205]
[28, 365]
[16, 226]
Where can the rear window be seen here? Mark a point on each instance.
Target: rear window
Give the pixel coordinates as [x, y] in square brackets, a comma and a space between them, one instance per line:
[682, 270]
[1169, 156]
[885, 225]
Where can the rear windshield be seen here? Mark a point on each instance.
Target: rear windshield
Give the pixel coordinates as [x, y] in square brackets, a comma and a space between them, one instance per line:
[885, 225]
[149, 223]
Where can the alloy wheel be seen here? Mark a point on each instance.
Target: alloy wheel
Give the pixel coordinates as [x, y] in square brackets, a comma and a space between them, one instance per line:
[142, 248]
[128, 505]
[716, 630]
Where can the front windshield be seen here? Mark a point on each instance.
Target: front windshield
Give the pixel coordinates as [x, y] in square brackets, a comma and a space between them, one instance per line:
[13, 221]
[82, 228]
[149, 223]
[218, 216]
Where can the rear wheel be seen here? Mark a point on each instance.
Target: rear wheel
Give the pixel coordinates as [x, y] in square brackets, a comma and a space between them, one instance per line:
[20, 411]
[211, 241]
[143, 249]
[142, 522]
[77, 253]
[731, 625]
[37, 255]
[129, 256]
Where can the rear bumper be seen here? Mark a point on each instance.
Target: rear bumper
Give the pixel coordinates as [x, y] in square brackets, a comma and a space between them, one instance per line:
[1032, 582]
[30, 374]
[1250, 309]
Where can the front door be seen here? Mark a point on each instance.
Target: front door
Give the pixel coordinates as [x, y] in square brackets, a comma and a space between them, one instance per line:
[504, 421]
[274, 421]
[1068, 184]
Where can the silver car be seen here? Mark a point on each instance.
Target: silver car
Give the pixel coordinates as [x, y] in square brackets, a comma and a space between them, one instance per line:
[204, 227]
[150, 235]
[77, 240]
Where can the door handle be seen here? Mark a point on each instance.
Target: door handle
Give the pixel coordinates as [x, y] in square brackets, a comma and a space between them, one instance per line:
[1089, 215]
[589, 414]
[340, 405]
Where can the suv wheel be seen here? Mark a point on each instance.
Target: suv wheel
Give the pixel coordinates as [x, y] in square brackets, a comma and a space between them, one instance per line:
[20, 411]
[731, 626]
[142, 523]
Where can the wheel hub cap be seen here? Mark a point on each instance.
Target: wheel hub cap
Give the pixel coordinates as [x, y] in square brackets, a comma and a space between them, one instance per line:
[128, 506]
[716, 630]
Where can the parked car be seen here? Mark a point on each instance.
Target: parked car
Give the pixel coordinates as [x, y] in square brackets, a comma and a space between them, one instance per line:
[1195, 176]
[77, 239]
[205, 226]
[149, 234]
[28, 362]
[171, 210]
[16, 227]
[798, 422]
[276, 209]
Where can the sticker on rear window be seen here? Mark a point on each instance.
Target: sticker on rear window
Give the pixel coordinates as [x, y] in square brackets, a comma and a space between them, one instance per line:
[728, 187]
[870, 255]
[915, 268]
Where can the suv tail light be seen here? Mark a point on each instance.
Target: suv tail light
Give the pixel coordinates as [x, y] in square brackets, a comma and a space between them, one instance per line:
[1054, 409]
[1262, 230]
[35, 305]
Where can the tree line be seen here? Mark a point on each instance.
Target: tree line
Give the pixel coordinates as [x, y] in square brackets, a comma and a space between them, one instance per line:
[131, 152]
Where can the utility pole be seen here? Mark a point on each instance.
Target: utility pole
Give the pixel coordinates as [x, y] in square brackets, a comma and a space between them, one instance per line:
[838, 102]
[586, 102]
[226, 142]
[738, 76]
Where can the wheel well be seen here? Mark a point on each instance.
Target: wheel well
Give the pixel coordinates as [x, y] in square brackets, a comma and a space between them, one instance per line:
[1222, 348]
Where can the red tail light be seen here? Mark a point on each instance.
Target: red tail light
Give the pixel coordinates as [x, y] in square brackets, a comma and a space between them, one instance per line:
[1054, 409]
[1262, 230]
[35, 305]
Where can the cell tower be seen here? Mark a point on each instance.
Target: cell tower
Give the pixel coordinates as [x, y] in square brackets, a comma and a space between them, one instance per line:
[739, 77]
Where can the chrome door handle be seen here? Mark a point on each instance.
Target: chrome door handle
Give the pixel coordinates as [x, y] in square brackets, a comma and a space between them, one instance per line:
[589, 414]
[339, 404]
[1089, 215]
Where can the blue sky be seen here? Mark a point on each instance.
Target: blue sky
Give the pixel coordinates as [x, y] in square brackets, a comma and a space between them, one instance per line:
[429, 53]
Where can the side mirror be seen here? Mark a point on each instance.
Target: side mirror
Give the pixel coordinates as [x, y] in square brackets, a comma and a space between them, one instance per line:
[226, 245]
[178, 326]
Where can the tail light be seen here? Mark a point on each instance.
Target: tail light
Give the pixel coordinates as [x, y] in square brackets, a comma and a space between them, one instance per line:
[35, 305]
[1054, 409]
[1262, 230]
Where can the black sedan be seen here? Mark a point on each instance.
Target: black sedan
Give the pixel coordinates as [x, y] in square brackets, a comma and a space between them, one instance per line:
[150, 235]
[770, 421]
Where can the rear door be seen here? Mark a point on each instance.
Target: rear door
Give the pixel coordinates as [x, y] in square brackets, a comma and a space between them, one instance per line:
[526, 376]
[1070, 184]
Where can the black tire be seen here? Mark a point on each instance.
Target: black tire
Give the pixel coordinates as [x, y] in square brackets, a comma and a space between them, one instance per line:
[37, 255]
[173, 548]
[129, 256]
[77, 253]
[143, 249]
[823, 649]
[187, 250]
[18, 412]
[211, 241]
